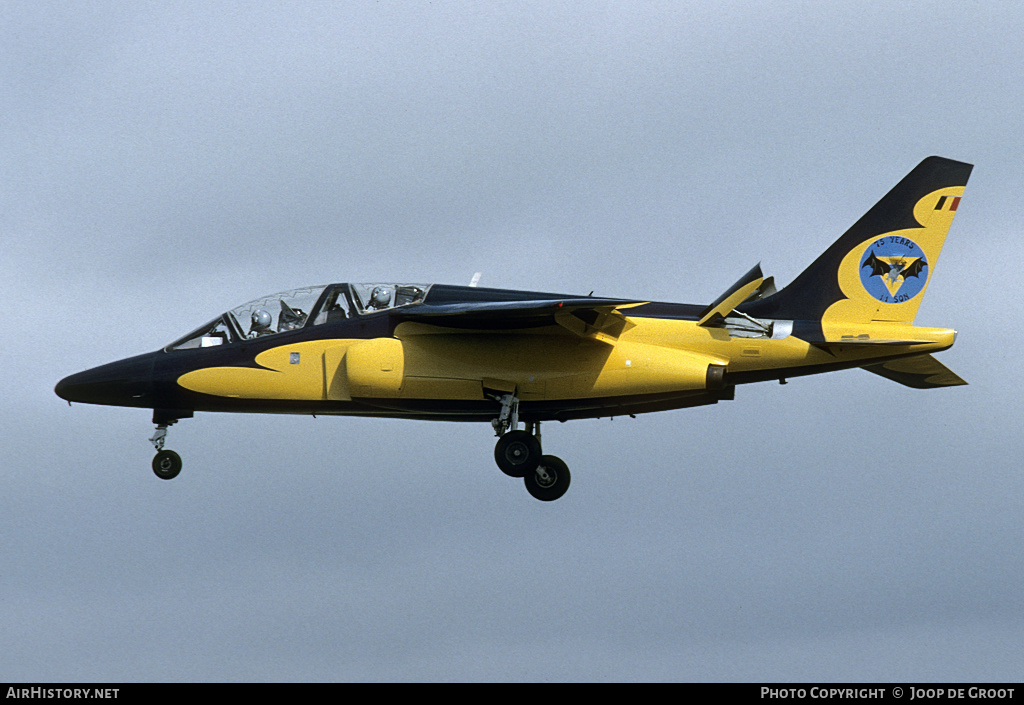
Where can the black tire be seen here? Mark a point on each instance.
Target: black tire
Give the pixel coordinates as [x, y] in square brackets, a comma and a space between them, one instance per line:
[554, 485]
[167, 464]
[517, 453]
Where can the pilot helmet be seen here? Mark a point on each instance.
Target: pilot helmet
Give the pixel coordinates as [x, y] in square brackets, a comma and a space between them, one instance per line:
[261, 320]
[380, 297]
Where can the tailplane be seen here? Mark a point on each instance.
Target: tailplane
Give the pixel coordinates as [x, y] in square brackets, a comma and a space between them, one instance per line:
[880, 268]
[919, 372]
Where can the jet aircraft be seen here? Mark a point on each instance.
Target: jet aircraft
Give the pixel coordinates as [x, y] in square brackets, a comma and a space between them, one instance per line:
[519, 358]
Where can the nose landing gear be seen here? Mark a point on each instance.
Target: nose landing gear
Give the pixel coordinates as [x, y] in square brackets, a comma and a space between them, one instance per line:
[166, 463]
[518, 454]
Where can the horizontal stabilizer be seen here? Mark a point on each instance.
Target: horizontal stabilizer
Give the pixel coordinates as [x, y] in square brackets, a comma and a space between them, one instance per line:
[919, 372]
[739, 292]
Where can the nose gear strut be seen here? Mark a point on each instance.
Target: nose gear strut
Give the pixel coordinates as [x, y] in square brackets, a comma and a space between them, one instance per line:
[166, 463]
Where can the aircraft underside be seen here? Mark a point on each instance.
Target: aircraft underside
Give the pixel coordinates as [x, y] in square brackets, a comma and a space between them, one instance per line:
[483, 410]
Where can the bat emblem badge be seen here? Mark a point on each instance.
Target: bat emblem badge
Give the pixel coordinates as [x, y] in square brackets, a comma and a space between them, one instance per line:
[894, 269]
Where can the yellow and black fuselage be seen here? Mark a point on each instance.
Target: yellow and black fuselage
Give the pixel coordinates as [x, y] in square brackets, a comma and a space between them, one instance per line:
[563, 357]
[448, 352]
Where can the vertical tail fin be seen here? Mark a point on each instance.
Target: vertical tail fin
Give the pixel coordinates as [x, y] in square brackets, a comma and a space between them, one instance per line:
[880, 268]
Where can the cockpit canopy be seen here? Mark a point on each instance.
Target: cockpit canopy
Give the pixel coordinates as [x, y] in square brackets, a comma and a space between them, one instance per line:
[298, 308]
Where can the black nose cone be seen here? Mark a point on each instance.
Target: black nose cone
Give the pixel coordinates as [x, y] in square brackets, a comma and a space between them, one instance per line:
[123, 383]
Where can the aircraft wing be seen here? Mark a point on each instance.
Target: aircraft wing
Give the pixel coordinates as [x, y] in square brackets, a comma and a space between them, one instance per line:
[585, 316]
[919, 372]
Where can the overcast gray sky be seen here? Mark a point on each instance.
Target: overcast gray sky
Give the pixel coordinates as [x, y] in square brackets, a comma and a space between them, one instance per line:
[163, 162]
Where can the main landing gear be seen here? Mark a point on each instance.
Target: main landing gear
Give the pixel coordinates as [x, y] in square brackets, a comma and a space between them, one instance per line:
[518, 454]
[166, 463]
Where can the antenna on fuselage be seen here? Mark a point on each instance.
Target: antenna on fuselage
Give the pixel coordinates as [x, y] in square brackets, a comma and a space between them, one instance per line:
[475, 280]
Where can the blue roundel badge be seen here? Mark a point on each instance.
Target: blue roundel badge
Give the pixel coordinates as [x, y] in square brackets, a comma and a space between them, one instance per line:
[894, 269]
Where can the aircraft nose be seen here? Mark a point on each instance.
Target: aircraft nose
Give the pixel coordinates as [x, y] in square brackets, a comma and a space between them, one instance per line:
[126, 382]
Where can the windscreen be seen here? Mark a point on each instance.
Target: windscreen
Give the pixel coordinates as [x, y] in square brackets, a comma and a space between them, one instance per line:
[268, 315]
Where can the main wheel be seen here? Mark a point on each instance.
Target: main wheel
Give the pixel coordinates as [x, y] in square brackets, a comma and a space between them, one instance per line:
[550, 480]
[167, 464]
[517, 453]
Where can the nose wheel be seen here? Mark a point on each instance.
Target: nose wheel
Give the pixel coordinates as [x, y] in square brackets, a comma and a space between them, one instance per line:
[166, 463]
[518, 454]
